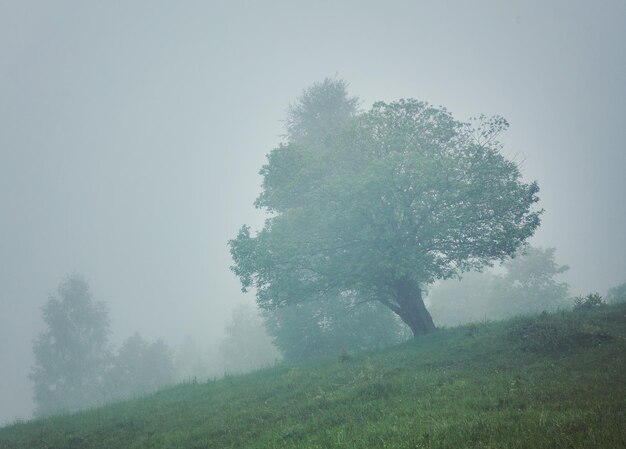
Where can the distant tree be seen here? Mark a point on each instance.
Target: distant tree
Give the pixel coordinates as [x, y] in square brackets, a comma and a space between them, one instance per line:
[528, 284]
[159, 365]
[327, 326]
[193, 360]
[616, 294]
[139, 367]
[71, 355]
[395, 199]
[246, 345]
[320, 113]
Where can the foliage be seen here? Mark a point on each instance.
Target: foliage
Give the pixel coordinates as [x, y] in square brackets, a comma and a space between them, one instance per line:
[444, 390]
[326, 327]
[71, 355]
[139, 367]
[246, 345]
[527, 284]
[590, 301]
[318, 328]
[399, 197]
[616, 294]
[320, 112]
[75, 367]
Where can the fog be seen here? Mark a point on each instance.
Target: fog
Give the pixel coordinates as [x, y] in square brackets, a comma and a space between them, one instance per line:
[131, 136]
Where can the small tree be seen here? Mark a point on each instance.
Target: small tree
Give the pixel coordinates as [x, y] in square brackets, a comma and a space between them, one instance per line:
[591, 301]
[246, 345]
[71, 355]
[139, 367]
[529, 284]
[193, 360]
[399, 197]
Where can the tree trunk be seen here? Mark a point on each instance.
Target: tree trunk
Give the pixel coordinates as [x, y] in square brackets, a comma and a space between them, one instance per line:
[411, 308]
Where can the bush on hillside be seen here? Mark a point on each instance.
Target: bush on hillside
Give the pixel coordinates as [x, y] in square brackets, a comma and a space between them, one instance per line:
[588, 302]
[547, 333]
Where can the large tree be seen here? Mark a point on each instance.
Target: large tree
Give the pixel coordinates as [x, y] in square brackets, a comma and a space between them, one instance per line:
[334, 322]
[400, 196]
[72, 353]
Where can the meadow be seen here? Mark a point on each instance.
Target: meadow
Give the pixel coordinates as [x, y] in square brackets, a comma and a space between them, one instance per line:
[545, 381]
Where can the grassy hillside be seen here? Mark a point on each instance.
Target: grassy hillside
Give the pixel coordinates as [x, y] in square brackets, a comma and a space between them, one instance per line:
[551, 381]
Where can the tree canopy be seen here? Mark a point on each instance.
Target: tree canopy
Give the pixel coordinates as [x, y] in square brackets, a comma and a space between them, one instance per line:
[400, 196]
[320, 112]
[71, 355]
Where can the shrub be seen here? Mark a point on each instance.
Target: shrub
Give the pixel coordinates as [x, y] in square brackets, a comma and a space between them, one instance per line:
[588, 302]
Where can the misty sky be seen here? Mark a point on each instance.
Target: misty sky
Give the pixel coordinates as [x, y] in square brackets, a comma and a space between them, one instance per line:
[132, 133]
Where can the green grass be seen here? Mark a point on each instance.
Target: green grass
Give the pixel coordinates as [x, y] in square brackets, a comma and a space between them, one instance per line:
[549, 381]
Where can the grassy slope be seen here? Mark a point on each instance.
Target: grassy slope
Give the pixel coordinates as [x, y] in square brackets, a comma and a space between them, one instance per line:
[556, 381]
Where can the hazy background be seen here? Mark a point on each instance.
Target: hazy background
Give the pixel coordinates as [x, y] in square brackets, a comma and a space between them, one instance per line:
[131, 135]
